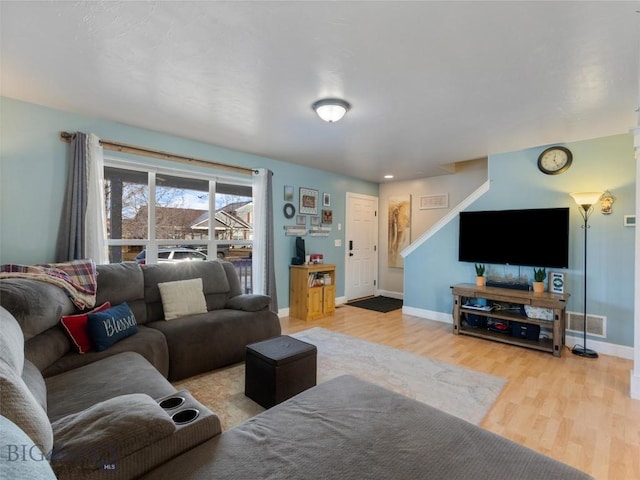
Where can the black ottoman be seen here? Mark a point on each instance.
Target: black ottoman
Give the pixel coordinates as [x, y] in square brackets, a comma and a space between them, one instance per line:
[278, 368]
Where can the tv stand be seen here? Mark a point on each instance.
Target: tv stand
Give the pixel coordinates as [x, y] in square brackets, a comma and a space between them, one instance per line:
[466, 293]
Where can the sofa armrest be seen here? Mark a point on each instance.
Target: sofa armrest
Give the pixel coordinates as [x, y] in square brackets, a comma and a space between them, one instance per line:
[249, 302]
[101, 436]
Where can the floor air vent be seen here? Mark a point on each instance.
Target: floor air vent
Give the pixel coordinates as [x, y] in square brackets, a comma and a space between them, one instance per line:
[596, 324]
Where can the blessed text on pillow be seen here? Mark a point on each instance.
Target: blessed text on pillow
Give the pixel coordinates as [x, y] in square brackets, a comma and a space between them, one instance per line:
[110, 326]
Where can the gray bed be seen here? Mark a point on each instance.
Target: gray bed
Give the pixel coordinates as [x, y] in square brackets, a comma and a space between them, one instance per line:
[347, 428]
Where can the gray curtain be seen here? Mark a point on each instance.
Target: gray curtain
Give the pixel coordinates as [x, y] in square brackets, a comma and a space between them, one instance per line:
[270, 260]
[71, 235]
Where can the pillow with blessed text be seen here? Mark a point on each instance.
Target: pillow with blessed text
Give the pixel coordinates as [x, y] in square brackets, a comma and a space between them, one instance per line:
[77, 329]
[110, 326]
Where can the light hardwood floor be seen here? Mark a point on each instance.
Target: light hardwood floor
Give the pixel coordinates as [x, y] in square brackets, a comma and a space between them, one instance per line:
[573, 409]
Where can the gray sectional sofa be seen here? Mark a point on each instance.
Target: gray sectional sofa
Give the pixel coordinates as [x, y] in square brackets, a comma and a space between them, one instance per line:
[71, 404]
[179, 348]
[113, 414]
[350, 429]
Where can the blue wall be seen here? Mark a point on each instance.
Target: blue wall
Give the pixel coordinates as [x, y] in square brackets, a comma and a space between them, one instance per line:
[33, 175]
[599, 164]
[33, 169]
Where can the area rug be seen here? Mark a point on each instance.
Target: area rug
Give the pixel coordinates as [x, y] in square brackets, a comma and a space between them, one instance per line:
[378, 304]
[459, 391]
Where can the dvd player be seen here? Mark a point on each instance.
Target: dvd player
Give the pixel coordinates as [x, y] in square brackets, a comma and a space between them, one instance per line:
[510, 285]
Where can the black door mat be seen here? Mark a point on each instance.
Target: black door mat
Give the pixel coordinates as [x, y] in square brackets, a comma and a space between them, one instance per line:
[379, 304]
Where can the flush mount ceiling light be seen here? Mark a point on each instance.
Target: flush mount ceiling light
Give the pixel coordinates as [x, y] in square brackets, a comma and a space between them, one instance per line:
[331, 109]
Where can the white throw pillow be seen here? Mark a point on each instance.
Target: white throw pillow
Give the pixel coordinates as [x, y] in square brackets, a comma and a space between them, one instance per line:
[182, 298]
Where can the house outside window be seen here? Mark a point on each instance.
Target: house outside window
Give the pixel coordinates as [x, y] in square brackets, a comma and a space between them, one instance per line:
[155, 215]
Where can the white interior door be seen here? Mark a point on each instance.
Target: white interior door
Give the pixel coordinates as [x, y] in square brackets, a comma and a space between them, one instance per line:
[361, 237]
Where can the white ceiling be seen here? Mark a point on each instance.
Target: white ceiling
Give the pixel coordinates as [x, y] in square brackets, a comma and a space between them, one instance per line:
[430, 83]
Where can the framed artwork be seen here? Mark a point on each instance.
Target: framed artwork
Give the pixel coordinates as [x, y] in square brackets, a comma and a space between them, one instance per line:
[399, 234]
[315, 221]
[428, 202]
[327, 217]
[288, 193]
[556, 282]
[308, 201]
[326, 199]
[301, 220]
[629, 220]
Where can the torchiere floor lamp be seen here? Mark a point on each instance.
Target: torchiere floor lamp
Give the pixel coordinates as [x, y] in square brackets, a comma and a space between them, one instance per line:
[585, 201]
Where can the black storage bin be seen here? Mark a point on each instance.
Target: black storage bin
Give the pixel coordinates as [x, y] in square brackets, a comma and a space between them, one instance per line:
[525, 330]
[279, 368]
[476, 321]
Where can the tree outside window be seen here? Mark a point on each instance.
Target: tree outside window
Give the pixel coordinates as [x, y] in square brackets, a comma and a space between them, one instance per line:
[180, 214]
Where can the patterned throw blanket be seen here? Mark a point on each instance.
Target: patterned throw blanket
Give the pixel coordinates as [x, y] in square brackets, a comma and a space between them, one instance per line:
[78, 278]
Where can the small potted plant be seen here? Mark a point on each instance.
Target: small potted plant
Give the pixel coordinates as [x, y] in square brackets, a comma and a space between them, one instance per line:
[539, 274]
[480, 280]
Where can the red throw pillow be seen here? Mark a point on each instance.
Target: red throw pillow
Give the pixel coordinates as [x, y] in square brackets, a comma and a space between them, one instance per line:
[76, 327]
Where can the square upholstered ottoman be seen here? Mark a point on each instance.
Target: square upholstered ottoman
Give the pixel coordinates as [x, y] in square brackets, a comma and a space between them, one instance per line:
[278, 369]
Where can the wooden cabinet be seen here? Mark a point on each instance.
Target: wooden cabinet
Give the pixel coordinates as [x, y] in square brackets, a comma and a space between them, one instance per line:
[465, 295]
[312, 291]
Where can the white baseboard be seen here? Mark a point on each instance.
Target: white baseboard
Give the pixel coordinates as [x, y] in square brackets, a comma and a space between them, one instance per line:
[387, 293]
[428, 314]
[612, 349]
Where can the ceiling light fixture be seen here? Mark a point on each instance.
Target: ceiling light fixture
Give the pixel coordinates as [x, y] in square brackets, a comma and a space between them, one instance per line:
[331, 109]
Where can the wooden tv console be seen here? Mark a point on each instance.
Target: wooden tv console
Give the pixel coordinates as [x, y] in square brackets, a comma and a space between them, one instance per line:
[465, 293]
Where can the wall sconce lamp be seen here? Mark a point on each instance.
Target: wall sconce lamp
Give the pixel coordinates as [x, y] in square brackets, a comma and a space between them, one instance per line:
[606, 202]
[331, 109]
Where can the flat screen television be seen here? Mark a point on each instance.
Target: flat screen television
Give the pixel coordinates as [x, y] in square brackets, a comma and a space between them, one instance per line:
[532, 237]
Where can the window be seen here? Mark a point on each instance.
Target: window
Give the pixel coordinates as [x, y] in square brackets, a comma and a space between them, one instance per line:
[156, 214]
[127, 202]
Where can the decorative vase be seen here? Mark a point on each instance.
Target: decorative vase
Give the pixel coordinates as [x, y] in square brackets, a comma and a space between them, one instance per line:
[480, 281]
[538, 287]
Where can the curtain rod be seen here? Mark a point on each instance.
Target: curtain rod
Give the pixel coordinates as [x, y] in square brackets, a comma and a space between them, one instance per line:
[150, 152]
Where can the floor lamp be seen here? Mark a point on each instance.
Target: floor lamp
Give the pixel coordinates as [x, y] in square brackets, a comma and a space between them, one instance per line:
[585, 201]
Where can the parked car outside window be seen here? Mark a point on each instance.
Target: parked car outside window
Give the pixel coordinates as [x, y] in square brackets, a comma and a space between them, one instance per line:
[223, 250]
[177, 254]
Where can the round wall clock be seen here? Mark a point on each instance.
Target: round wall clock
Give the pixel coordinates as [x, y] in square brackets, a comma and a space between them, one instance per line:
[289, 210]
[555, 160]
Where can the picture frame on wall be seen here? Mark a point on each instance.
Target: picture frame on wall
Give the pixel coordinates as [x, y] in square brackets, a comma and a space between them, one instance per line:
[315, 221]
[326, 199]
[308, 201]
[428, 202]
[301, 220]
[327, 217]
[399, 211]
[288, 193]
